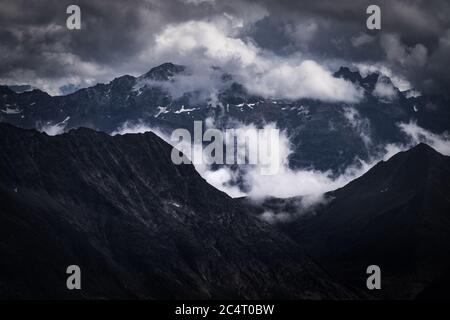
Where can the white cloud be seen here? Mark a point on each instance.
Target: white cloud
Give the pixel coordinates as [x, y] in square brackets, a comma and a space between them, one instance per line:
[205, 40]
[134, 127]
[309, 184]
[384, 90]
[202, 82]
[439, 142]
[416, 135]
[305, 80]
[271, 217]
[291, 183]
[314, 183]
[203, 44]
[222, 179]
[398, 81]
[288, 182]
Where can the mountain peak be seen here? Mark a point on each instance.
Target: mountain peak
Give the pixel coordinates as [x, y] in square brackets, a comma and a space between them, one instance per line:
[347, 74]
[164, 71]
[37, 93]
[404, 171]
[369, 81]
[6, 90]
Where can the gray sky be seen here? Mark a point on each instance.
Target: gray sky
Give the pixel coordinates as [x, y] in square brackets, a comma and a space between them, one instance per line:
[241, 36]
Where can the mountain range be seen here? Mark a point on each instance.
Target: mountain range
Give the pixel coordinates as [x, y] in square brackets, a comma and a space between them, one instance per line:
[324, 135]
[136, 224]
[140, 226]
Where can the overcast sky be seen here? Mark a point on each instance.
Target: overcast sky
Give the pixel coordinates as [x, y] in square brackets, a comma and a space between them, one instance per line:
[277, 39]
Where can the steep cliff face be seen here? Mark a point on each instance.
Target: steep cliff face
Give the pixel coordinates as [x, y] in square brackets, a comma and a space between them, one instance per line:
[136, 224]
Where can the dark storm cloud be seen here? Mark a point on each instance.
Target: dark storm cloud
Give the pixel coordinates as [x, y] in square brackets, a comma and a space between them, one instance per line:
[35, 43]
[35, 46]
[415, 23]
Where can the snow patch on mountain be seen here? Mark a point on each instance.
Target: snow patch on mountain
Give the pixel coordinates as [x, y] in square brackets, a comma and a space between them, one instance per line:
[182, 110]
[11, 110]
[161, 110]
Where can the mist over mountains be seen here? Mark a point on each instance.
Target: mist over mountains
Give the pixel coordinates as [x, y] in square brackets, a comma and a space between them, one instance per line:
[327, 142]
[84, 180]
[142, 227]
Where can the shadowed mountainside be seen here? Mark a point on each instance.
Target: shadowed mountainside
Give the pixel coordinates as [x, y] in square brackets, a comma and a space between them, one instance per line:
[396, 216]
[137, 225]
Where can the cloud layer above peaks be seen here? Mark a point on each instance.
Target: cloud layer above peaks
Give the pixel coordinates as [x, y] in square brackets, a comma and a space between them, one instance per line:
[279, 47]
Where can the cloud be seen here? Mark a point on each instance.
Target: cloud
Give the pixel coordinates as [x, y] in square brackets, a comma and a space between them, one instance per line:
[311, 185]
[415, 135]
[203, 83]
[204, 44]
[54, 129]
[222, 179]
[308, 185]
[397, 80]
[412, 93]
[359, 124]
[271, 217]
[258, 186]
[439, 142]
[292, 183]
[384, 90]
[37, 48]
[197, 2]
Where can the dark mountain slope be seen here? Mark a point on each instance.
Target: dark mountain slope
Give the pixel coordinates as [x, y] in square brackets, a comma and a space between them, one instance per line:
[137, 225]
[396, 216]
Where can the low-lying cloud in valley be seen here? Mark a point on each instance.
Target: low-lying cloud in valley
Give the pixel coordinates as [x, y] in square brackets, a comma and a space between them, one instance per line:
[207, 49]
